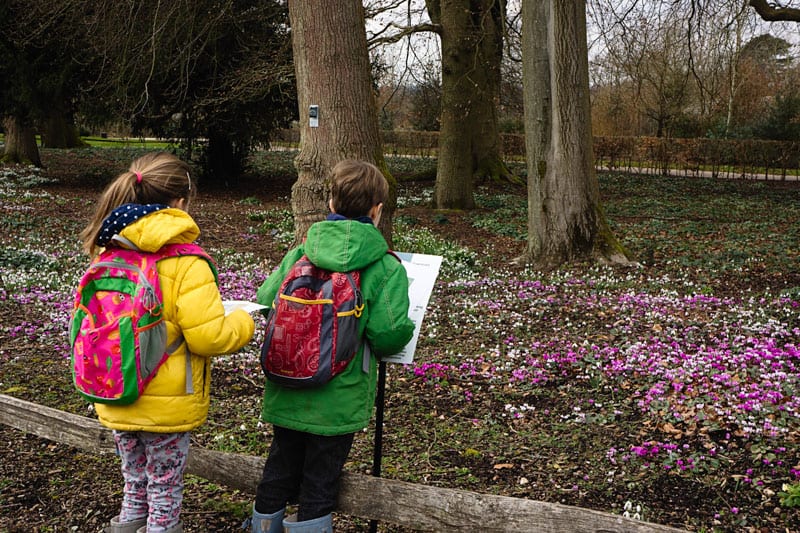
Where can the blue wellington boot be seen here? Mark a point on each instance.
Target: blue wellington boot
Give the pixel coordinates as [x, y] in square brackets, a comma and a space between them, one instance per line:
[323, 524]
[265, 523]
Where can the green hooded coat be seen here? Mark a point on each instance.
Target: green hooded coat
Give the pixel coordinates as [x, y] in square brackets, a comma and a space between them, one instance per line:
[345, 404]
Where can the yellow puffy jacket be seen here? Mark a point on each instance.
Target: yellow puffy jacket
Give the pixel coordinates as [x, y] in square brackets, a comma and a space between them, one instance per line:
[177, 399]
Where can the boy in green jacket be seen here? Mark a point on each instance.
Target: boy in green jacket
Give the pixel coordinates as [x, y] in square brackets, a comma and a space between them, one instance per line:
[314, 427]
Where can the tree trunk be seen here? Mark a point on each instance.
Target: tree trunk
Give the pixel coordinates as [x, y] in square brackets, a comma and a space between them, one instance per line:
[224, 159]
[733, 71]
[469, 139]
[486, 144]
[333, 73]
[565, 220]
[20, 143]
[454, 177]
[536, 99]
[58, 131]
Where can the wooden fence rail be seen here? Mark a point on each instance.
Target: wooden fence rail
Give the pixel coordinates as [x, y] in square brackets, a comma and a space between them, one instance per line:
[410, 505]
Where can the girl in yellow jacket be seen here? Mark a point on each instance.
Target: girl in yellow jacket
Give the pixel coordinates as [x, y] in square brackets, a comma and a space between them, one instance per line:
[146, 208]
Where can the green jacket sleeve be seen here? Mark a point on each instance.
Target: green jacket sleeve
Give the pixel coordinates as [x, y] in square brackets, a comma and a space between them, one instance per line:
[389, 329]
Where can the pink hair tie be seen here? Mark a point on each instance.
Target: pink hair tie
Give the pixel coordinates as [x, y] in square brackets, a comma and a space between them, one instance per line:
[138, 177]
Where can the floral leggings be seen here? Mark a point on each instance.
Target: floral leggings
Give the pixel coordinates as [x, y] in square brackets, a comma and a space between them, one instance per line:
[152, 467]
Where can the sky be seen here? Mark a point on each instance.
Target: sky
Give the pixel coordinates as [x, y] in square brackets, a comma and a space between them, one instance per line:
[409, 57]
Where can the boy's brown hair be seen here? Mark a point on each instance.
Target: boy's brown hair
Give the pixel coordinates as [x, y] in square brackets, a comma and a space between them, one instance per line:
[356, 187]
[154, 178]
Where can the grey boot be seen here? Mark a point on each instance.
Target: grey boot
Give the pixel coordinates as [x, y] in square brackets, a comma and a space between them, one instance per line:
[265, 523]
[177, 528]
[323, 524]
[125, 527]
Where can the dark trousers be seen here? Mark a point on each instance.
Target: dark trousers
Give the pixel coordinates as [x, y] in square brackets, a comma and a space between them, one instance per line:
[305, 469]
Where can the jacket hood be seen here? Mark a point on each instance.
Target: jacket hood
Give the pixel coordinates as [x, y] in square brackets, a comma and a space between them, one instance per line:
[150, 229]
[344, 245]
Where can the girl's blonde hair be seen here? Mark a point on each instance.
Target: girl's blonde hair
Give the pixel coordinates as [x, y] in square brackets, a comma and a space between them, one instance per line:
[356, 187]
[154, 178]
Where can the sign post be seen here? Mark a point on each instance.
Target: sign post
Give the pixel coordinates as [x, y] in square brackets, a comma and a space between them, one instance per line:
[422, 271]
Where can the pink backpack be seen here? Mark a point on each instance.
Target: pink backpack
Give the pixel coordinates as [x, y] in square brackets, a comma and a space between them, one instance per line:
[117, 331]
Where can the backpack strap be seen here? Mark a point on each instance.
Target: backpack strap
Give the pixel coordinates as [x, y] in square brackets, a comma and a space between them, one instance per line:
[173, 250]
[179, 250]
[393, 254]
[171, 349]
[189, 248]
[366, 354]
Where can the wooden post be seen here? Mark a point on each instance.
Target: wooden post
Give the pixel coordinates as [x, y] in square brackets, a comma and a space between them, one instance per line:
[410, 505]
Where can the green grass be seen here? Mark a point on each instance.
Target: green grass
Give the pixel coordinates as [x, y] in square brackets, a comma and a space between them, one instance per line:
[690, 168]
[118, 142]
[128, 142]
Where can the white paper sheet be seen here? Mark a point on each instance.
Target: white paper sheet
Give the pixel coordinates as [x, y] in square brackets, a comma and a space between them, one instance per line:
[422, 271]
[250, 307]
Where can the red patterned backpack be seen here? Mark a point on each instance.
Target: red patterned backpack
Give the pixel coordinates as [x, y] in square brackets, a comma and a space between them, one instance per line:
[117, 331]
[312, 328]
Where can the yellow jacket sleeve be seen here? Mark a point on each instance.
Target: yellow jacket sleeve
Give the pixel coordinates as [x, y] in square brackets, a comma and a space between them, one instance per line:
[201, 316]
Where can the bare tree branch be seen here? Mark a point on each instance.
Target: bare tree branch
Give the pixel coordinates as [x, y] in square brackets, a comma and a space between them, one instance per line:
[374, 8]
[404, 31]
[772, 11]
